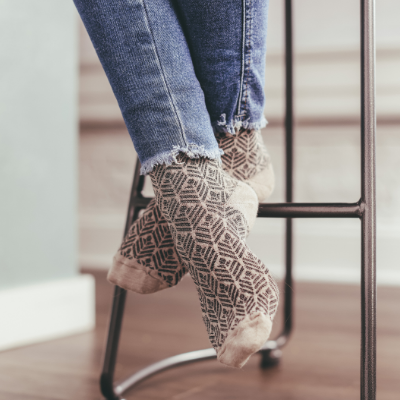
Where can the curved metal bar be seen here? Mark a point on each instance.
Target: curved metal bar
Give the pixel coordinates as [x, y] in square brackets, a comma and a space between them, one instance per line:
[172, 362]
[167, 363]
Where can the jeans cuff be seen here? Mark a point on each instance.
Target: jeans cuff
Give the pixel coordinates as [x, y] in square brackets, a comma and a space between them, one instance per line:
[222, 126]
[191, 150]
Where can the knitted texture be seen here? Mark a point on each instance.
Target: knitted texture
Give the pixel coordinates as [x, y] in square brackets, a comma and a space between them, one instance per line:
[201, 204]
[245, 154]
[246, 158]
[147, 260]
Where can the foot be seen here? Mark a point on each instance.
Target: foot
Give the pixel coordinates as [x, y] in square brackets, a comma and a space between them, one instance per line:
[147, 260]
[207, 212]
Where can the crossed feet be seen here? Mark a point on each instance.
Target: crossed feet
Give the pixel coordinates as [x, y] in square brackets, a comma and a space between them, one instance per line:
[198, 222]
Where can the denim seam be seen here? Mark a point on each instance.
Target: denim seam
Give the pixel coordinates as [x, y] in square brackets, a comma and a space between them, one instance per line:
[248, 49]
[239, 121]
[243, 56]
[147, 21]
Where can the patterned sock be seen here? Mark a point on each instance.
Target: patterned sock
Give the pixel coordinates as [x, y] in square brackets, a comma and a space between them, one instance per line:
[208, 213]
[246, 158]
[147, 261]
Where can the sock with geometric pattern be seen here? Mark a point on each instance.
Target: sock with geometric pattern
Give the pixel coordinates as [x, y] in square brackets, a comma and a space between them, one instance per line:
[246, 158]
[209, 213]
[147, 261]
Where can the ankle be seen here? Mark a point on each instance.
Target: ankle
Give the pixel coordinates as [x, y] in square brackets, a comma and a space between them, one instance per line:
[246, 159]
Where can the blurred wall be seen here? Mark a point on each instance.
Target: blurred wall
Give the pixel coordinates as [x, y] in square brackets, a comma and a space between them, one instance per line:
[38, 133]
[332, 25]
[38, 174]
[327, 60]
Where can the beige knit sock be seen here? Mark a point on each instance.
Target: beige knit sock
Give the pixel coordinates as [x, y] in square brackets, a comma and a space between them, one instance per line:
[208, 215]
[147, 261]
[246, 158]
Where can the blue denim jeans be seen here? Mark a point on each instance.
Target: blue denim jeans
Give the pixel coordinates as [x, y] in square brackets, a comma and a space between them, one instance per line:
[181, 70]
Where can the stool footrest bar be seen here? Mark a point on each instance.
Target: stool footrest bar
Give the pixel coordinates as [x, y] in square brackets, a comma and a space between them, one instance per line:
[310, 210]
[295, 210]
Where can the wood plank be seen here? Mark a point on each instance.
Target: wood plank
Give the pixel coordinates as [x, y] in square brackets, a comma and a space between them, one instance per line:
[321, 360]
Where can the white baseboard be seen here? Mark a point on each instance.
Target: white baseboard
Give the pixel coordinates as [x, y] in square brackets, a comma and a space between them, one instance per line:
[45, 311]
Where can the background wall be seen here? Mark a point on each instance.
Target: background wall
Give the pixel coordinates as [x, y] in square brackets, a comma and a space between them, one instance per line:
[38, 133]
[327, 144]
[38, 174]
[326, 41]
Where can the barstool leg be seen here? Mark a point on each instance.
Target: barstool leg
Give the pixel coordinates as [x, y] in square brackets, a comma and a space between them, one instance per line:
[114, 333]
[368, 198]
[270, 358]
[119, 299]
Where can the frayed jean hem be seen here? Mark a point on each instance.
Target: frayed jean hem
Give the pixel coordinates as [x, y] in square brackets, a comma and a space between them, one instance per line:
[168, 158]
[221, 126]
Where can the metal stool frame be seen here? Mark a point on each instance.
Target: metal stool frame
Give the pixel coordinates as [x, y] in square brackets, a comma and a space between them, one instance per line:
[364, 209]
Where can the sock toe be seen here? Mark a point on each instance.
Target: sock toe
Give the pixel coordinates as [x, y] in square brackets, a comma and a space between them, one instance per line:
[246, 339]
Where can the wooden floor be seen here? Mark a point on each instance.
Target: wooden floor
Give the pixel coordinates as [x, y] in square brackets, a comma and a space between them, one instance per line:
[320, 362]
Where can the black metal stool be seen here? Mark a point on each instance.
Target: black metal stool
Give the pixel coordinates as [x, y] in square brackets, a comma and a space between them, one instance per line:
[364, 209]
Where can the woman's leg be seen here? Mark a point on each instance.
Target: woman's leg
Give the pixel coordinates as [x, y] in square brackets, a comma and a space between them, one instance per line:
[145, 56]
[208, 212]
[227, 42]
